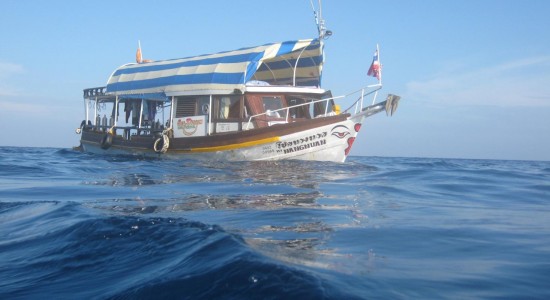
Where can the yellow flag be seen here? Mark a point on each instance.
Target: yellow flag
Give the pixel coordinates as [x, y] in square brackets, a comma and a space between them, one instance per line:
[139, 58]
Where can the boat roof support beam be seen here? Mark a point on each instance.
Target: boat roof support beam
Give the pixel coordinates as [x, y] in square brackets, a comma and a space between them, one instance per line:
[86, 111]
[95, 113]
[140, 113]
[116, 110]
[210, 116]
[173, 101]
[296, 67]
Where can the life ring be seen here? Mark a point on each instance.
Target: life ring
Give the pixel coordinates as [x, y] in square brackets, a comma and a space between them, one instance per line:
[106, 141]
[161, 144]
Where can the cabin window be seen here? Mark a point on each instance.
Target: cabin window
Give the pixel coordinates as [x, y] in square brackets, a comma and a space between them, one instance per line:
[192, 106]
[228, 107]
[272, 104]
[203, 105]
[322, 107]
[301, 111]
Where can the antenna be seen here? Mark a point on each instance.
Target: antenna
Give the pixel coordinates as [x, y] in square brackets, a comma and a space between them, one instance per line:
[315, 15]
[320, 22]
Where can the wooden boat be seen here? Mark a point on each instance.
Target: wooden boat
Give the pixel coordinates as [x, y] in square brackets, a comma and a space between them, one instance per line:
[256, 103]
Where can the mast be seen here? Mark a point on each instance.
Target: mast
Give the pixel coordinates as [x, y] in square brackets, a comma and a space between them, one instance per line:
[320, 22]
[323, 33]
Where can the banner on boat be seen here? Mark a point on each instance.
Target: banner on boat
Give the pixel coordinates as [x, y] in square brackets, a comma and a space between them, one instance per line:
[190, 126]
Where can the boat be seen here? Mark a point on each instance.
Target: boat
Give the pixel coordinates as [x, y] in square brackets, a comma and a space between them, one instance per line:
[255, 103]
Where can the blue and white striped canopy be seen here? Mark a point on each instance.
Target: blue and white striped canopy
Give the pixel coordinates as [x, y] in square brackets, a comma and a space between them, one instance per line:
[289, 63]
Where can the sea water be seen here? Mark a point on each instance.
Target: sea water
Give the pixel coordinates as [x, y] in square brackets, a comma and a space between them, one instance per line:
[81, 226]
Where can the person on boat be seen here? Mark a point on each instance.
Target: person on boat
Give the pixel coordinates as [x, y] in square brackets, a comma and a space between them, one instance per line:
[269, 110]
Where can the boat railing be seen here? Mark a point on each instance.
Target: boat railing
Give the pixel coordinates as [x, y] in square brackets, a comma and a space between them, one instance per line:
[357, 106]
[286, 110]
[94, 92]
[147, 128]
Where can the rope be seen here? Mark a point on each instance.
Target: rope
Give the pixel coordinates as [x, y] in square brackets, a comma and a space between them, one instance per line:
[165, 142]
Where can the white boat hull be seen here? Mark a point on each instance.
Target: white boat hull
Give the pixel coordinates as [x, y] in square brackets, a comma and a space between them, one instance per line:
[326, 143]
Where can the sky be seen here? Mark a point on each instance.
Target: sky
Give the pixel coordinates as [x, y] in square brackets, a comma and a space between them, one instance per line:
[473, 75]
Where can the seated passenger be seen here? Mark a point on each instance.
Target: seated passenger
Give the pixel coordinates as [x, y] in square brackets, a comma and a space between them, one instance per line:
[270, 113]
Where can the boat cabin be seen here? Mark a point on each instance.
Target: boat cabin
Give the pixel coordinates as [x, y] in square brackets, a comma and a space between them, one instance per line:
[213, 94]
[205, 115]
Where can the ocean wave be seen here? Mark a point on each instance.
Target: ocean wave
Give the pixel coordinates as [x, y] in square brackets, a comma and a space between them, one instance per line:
[141, 258]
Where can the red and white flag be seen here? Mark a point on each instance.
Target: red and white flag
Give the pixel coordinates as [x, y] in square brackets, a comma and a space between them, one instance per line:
[375, 67]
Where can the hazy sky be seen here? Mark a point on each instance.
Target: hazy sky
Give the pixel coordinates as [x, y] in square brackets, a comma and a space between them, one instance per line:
[474, 75]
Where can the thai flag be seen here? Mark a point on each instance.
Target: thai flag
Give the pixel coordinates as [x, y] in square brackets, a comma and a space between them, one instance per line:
[374, 69]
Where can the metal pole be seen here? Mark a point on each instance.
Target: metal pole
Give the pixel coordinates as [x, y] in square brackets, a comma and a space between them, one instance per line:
[209, 115]
[86, 109]
[172, 103]
[362, 97]
[116, 110]
[380, 65]
[140, 113]
[296, 67]
[95, 112]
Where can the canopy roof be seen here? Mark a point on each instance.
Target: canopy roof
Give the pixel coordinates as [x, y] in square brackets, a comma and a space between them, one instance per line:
[289, 63]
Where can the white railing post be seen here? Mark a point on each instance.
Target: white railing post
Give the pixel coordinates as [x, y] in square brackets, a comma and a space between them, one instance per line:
[140, 114]
[116, 110]
[95, 112]
[210, 115]
[172, 104]
[86, 109]
[287, 114]
[362, 98]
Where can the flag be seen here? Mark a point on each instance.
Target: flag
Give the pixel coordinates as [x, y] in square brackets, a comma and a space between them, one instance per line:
[139, 58]
[374, 69]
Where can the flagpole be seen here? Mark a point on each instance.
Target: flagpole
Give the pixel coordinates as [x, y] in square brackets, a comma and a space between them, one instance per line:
[379, 74]
[380, 64]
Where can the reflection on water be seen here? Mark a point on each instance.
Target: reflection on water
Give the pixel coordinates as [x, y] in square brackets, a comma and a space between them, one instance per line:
[306, 252]
[195, 202]
[287, 210]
